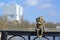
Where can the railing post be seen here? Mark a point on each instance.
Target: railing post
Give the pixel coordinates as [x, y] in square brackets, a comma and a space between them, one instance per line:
[53, 37]
[28, 37]
[4, 35]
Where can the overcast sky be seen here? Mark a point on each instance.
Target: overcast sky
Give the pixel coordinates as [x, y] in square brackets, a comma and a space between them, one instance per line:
[50, 9]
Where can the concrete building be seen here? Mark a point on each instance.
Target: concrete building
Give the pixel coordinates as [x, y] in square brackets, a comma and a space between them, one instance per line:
[13, 12]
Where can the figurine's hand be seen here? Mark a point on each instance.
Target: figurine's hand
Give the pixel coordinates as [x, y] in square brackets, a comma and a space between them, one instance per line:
[39, 22]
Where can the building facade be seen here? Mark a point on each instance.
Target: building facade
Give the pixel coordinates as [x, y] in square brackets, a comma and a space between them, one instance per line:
[13, 12]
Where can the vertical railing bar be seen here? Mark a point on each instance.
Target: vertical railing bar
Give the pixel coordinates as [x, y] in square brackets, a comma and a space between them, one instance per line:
[4, 35]
[28, 37]
[53, 37]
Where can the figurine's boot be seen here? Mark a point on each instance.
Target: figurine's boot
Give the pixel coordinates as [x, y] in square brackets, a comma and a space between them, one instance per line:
[40, 36]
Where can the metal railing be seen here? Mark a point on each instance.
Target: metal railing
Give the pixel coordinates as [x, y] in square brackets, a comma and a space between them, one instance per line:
[27, 33]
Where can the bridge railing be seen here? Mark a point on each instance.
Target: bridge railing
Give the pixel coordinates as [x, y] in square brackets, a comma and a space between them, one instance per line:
[21, 34]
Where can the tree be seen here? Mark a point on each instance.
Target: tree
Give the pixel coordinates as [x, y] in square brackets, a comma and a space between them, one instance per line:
[50, 25]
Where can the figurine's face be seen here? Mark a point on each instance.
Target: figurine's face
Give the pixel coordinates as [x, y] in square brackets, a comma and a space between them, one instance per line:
[41, 18]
